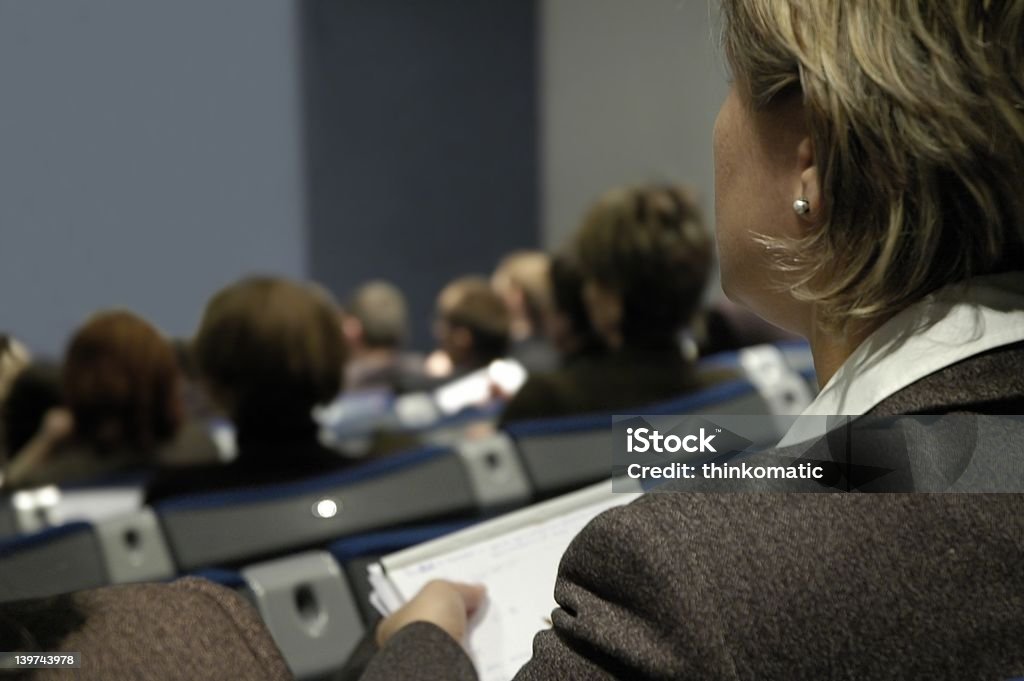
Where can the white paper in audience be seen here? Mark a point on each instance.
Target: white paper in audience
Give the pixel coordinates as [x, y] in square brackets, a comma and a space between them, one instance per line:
[517, 557]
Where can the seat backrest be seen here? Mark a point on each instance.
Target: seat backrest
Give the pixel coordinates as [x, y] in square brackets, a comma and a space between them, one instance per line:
[133, 548]
[562, 454]
[52, 561]
[230, 527]
[306, 604]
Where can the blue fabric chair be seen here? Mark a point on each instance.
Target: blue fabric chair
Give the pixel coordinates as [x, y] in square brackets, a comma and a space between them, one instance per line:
[565, 453]
[228, 528]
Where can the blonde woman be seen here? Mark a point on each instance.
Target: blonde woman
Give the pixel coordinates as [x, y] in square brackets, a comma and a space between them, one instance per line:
[868, 167]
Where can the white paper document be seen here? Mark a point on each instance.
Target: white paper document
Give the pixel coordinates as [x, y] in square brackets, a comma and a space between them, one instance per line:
[516, 556]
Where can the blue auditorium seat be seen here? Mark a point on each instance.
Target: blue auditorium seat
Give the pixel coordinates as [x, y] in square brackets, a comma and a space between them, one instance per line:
[565, 453]
[226, 528]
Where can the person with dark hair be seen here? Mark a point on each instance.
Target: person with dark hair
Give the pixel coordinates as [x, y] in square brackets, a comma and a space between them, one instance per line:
[568, 322]
[472, 325]
[375, 322]
[122, 392]
[571, 333]
[522, 280]
[643, 258]
[268, 350]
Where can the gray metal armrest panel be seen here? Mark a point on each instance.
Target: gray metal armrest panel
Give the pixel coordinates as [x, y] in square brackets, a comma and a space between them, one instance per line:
[306, 604]
[134, 549]
[495, 472]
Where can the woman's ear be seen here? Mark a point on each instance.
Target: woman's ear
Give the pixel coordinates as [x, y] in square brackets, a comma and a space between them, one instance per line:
[810, 188]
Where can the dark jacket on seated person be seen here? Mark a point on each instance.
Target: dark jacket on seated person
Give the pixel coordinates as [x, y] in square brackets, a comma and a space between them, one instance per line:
[596, 381]
[288, 455]
[789, 586]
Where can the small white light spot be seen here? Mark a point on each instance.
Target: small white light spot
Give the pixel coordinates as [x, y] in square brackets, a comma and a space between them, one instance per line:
[325, 508]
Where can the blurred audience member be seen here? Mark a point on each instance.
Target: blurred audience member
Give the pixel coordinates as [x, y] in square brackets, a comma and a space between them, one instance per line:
[376, 326]
[121, 388]
[34, 392]
[569, 328]
[268, 350]
[644, 258]
[197, 401]
[471, 328]
[521, 279]
[568, 322]
[195, 443]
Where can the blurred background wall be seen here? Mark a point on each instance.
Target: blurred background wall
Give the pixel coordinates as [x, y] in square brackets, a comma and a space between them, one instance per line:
[630, 91]
[152, 151]
[421, 133]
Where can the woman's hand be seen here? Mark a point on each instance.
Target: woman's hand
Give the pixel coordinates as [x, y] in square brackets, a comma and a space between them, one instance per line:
[446, 604]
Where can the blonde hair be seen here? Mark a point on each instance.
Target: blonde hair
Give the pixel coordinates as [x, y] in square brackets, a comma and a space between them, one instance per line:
[914, 109]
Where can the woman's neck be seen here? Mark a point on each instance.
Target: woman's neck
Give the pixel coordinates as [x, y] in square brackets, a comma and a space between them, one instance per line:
[830, 349]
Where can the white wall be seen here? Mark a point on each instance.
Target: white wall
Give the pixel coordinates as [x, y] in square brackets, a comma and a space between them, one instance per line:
[630, 91]
[149, 153]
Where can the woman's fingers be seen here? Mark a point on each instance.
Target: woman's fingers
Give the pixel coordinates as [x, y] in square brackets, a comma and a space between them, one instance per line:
[445, 604]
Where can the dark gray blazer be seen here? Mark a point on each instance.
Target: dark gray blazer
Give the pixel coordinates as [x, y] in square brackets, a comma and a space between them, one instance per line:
[789, 586]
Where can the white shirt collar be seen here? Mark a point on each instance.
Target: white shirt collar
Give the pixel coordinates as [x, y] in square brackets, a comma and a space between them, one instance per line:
[950, 325]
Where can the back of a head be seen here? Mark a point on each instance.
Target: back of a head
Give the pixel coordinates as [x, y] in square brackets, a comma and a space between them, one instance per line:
[381, 310]
[649, 246]
[121, 383]
[916, 113]
[567, 297]
[471, 304]
[270, 349]
[526, 272]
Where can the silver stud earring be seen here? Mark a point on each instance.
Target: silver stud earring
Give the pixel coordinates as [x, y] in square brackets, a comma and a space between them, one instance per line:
[801, 206]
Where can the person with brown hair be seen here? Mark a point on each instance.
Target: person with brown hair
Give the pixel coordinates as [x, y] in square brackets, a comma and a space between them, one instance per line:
[268, 351]
[643, 258]
[522, 281]
[120, 386]
[867, 171]
[472, 325]
[375, 321]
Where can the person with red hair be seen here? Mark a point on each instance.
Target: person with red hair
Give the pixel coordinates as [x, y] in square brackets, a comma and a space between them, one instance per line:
[121, 391]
